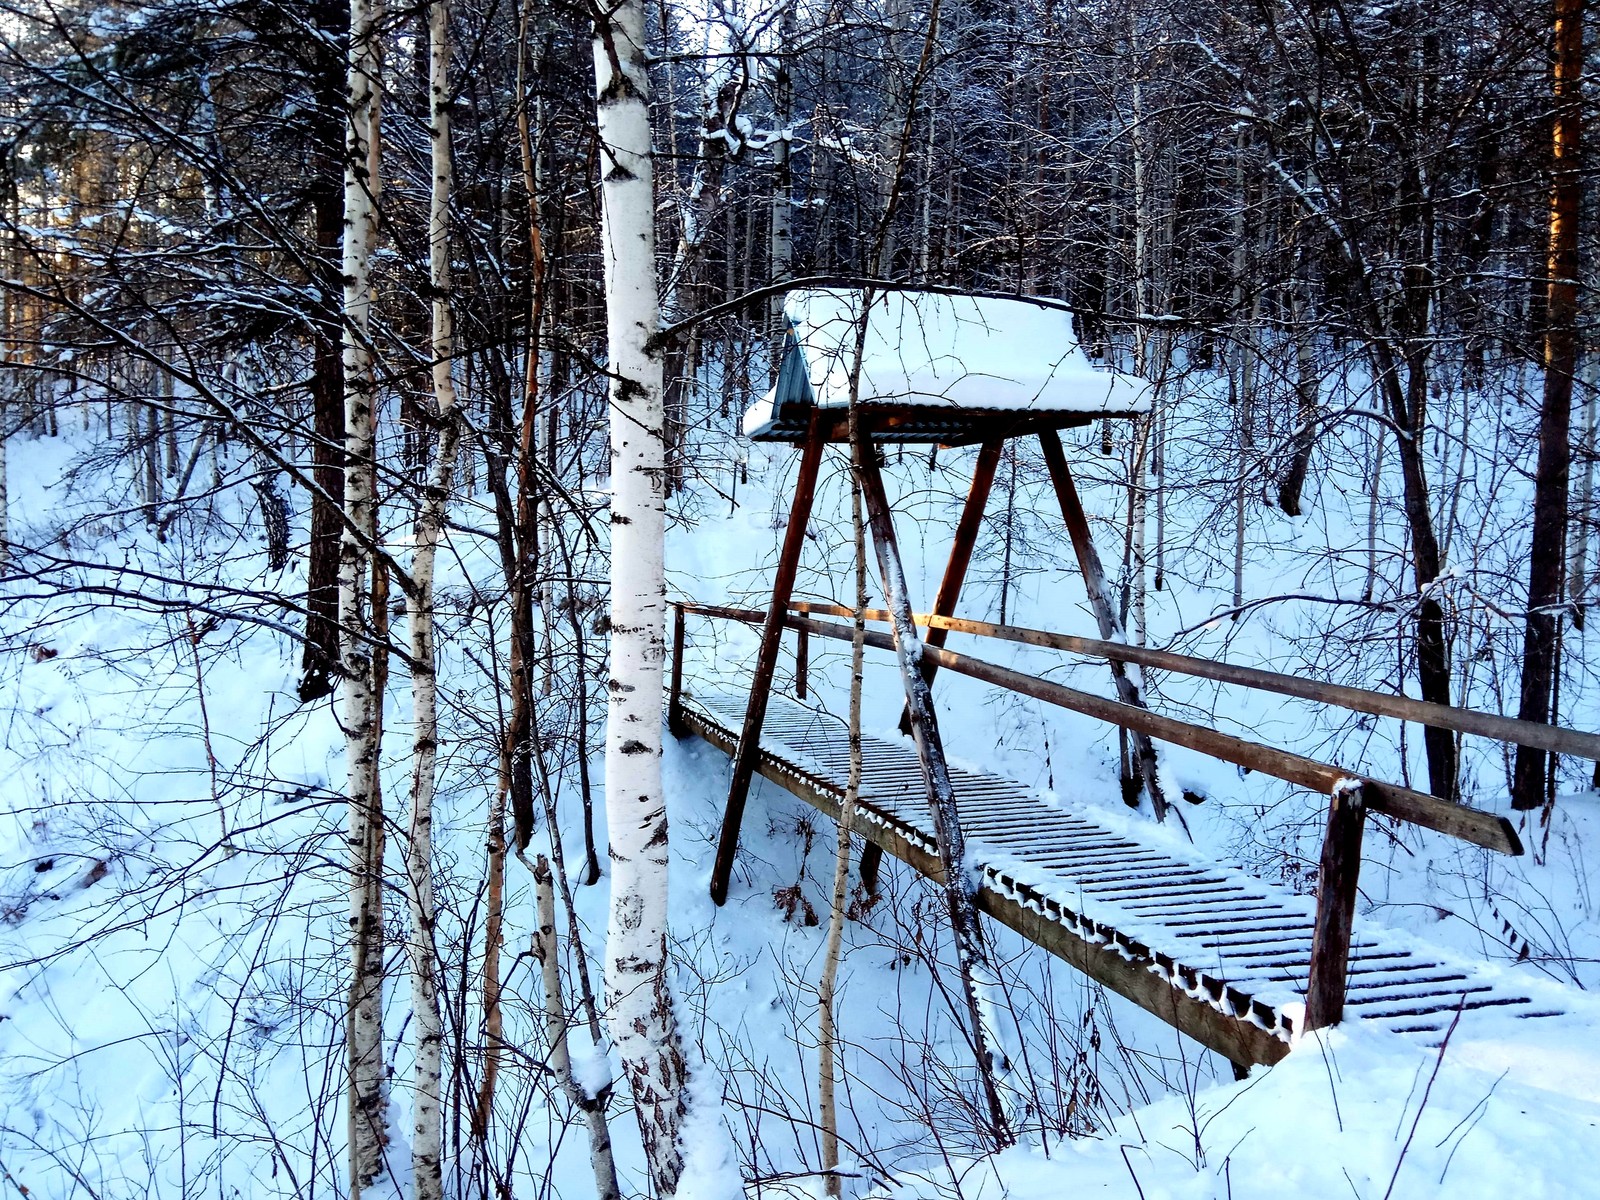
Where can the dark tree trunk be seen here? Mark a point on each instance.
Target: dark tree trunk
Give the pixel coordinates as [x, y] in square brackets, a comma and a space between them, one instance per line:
[1551, 477]
[1407, 409]
[1307, 396]
[319, 661]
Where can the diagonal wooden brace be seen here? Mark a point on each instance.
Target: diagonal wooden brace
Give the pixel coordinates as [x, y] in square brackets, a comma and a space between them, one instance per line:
[959, 889]
[955, 574]
[744, 760]
[1105, 612]
[955, 571]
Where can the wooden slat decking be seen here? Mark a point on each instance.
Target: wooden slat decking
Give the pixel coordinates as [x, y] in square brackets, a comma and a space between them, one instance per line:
[1218, 954]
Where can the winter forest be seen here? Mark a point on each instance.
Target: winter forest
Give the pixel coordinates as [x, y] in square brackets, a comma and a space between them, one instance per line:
[411, 561]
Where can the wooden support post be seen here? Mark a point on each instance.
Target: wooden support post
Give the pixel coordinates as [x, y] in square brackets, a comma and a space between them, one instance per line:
[955, 571]
[958, 884]
[1105, 611]
[802, 663]
[871, 865]
[955, 574]
[1336, 904]
[744, 761]
[675, 723]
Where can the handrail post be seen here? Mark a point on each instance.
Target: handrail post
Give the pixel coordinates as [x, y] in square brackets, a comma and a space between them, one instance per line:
[675, 723]
[1337, 880]
[802, 663]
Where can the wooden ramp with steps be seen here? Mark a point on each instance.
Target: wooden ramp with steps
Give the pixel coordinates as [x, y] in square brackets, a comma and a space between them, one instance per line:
[1216, 953]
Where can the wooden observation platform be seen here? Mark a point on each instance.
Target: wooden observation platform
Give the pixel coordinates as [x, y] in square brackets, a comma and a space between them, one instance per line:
[1219, 955]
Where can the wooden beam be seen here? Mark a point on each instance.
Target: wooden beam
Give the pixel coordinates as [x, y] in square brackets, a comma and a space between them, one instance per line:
[802, 664]
[961, 546]
[955, 574]
[1129, 688]
[1468, 824]
[1037, 918]
[1489, 830]
[727, 612]
[1554, 738]
[905, 422]
[971, 957]
[1337, 880]
[675, 696]
[744, 758]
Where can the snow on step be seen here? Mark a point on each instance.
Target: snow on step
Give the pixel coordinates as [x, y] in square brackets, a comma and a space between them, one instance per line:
[1239, 943]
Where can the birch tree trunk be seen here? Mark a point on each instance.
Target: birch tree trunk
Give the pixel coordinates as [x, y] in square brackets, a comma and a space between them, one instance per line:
[780, 235]
[368, 1093]
[427, 1131]
[638, 988]
[593, 1107]
[5, 499]
[827, 1110]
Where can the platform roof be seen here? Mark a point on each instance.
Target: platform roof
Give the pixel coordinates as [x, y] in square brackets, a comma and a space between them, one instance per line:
[935, 367]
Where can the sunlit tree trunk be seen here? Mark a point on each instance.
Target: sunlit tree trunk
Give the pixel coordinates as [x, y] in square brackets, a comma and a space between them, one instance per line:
[1551, 479]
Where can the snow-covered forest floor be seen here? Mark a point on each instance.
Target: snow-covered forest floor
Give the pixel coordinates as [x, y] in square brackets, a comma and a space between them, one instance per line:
[172, 910]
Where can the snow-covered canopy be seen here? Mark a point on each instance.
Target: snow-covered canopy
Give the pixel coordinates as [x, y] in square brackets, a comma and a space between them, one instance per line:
[948, 354]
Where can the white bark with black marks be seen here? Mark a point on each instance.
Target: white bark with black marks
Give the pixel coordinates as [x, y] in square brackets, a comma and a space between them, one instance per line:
[638, 987]
[827, 1109]
[427, 1143]
[368, 1101]
[593, 1107]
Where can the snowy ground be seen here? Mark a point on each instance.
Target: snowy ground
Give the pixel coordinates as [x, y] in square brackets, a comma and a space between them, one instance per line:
[171, 903]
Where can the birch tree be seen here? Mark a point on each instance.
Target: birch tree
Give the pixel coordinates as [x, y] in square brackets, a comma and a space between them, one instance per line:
[368, 1100]
[638, 989]
[827, 1109]
[427, 1129]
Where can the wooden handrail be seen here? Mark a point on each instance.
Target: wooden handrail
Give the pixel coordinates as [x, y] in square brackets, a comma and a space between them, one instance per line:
[1473, 825]
[1554, 738]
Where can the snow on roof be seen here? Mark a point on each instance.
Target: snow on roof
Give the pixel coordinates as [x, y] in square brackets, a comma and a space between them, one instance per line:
[947, 352]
